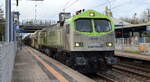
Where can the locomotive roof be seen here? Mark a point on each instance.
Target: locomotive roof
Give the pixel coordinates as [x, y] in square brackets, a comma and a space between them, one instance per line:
[87, 13]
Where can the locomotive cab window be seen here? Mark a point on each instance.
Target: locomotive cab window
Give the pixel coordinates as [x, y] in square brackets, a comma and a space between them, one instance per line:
[83, 25]
[102, 25]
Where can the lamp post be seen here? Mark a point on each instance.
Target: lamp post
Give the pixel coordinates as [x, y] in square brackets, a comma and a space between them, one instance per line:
[35, 19]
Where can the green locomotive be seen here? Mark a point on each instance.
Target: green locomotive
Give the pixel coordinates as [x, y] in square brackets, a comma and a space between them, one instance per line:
[84, 42]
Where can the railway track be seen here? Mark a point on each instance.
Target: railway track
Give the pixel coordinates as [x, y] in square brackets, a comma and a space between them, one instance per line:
[124, 73]
[135, 72]
[108, 77]
[113, 76]
[138, 65]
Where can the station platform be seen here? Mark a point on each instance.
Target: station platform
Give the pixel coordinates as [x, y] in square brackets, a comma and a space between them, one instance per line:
[33, 66]
[133, 55]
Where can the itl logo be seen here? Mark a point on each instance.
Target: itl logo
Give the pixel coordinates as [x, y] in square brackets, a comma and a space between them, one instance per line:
[93, 38]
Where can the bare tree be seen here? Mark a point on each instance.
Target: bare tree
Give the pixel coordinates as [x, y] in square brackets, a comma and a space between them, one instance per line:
[144, 18]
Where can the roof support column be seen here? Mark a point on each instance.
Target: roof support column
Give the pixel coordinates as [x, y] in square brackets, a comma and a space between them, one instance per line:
[8, 20]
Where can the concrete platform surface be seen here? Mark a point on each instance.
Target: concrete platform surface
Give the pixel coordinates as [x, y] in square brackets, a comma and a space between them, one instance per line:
[132, 55]
[33, 66]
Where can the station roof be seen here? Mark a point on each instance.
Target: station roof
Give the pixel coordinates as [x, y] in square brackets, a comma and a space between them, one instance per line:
[119, 22]
[134, 25]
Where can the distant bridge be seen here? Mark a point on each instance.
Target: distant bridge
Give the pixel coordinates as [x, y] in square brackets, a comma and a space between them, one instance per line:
[31, 28]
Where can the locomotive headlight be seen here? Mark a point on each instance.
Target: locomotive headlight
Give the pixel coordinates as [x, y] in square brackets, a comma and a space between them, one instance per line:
[92, 14]
[109, 44]
[78, 44]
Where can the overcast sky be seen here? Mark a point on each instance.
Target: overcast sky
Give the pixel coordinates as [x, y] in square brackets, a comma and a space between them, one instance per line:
[49, 9]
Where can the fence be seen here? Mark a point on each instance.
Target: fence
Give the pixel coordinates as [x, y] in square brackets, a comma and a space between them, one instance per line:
[7, 56]
[132, 45]
[122, 43]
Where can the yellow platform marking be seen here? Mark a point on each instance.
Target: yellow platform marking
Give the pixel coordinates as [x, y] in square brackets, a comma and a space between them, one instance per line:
[50, 69]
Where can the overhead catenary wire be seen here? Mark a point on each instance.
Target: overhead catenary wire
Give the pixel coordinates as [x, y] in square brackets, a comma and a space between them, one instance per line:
[71, 4]
[109, 2]
[123, 4]
[113, 7]
[103, 4]
[67, 3]
[100, 5]
[120, 5]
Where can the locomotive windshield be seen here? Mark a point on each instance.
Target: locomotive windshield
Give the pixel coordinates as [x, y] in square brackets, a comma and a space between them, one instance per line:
[102, 25]
[84, 25]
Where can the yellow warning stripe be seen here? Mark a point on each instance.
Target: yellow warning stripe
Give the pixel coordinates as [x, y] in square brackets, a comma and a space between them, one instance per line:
[50, 69]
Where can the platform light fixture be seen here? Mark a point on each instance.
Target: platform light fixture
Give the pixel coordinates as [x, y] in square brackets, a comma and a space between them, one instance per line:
[36, 8]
